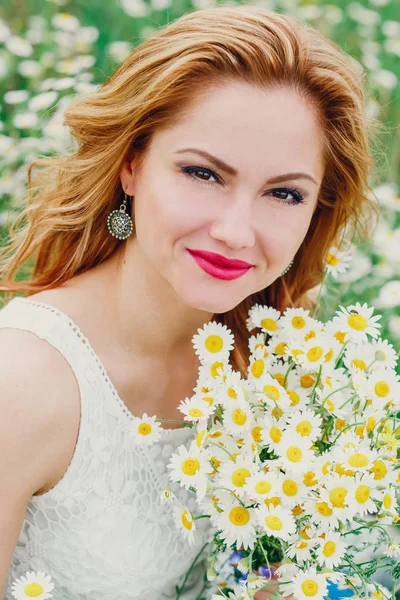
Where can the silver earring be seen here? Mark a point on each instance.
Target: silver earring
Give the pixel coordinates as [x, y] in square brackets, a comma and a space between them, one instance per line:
[287, 268]
[119, 223]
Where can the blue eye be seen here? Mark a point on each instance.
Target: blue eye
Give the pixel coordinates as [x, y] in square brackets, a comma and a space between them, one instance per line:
[191, 170]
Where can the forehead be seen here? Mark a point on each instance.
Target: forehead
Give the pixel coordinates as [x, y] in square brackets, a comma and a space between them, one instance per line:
[251, 128]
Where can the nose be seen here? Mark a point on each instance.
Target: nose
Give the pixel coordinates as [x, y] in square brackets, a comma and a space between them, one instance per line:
[234, 225]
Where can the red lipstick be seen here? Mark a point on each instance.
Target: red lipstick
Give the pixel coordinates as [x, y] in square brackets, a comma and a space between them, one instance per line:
[219, 266]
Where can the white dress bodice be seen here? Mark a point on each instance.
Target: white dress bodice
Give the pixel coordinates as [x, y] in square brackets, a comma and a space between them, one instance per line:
[102, 531]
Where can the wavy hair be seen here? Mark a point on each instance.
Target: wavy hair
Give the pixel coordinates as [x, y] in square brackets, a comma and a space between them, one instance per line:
[62, 230]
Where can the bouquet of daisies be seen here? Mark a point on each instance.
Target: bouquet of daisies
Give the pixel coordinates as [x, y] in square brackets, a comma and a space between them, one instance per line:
[296, 464]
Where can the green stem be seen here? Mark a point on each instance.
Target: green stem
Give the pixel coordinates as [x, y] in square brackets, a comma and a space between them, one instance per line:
[316, 307]
[179, 590]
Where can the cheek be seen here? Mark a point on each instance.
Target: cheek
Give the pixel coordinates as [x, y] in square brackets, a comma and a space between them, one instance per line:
[282, 230]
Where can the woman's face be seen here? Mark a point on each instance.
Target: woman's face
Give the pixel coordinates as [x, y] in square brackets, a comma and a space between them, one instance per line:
[238, 212]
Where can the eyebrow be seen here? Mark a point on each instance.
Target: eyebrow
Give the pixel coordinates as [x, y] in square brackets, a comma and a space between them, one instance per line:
[232, 171]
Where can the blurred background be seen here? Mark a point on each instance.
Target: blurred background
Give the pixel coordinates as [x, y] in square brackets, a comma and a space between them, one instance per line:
[51, 50]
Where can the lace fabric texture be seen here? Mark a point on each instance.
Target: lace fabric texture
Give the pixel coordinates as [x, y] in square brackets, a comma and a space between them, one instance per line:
[102, 531]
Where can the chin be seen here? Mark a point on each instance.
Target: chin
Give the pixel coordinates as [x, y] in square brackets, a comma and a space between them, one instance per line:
[207, 303]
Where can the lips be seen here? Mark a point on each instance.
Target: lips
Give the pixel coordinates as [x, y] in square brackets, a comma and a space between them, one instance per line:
[222, 261]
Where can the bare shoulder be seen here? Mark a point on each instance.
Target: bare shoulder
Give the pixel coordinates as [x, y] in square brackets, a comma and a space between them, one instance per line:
[40, 410]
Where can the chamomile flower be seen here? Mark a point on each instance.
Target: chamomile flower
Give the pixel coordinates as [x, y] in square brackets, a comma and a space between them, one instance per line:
[360, 458]
[32, 584]
[306, 423]
[184, 521]
[295, 452]
[385, 354]
[389, 502]
[337, 261]
[272, 393]
[237, 524]
[258, 364]
[337, 493]
[265, 317]
[277, 521]
[292, 489]
[360, 495]
[189, 467]
[358, 356]
[262, 485]
[296, 322]
[321, 512]
[232, 388]
[383, 387]
[195, 408]
[256, 343]
[383, 472]
[272, 431]
[301, 549]
[213, 342]
[358, 321]
[314, 352]
[145, 431]
[233, 475]
[238, 417]
[331, 550]
[308, 585]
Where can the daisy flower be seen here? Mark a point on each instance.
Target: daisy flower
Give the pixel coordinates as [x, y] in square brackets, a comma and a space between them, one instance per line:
[145, 431]
[321, 512]
[383, 472]
[337, 493]
[358, 321]
[314, 352]
[272, 431]
[383, 387]
[277, 521]
[184, 521]
[389, 502]
[258, 364]
[307, 585]
[385, 353]
[331, 550]
[337, 261]
[233, 475]
[213, 342]
[295, 453]
[296, 322]
[359, 458]
[301, 549]
[195, 408]
[262, 485]
[232, 388]
[278, 346]
[292, 490]
[238, 417]
[358, 356]
[237, 524]
[272, 392]
[265, 317]
[306, 423]
[257, 343]
[32, 584]
[189, 467]
[359, 497]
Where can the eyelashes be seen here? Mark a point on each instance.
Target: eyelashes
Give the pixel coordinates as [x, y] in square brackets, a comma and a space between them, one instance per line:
[298, 197]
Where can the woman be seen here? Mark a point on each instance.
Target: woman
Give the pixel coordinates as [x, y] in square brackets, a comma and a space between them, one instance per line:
[235, 131]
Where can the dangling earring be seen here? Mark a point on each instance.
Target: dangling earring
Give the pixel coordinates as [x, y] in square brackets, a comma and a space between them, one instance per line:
[287, 268]
[119, 223]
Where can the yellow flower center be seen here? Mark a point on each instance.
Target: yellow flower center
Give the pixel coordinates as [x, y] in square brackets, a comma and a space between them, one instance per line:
[214, 368]
[360, 364]
[275, 434]
[277, 412]
[357, 322]
[307, 381]
[239, 417]
[34, 589]
[304, 428]
[239, 477]
[314, 353]
[214, 343]
[310, 335]
[323, 509]
[338, 496]
[310, 479]
[298, 322]
[294, 397]
[195, 413]
[309, 588]
[256, 434]
[329, 405]
[215, 462]
[340, 336]
[215, 434]
[239, 516]
[272, 501]
[290, 487]
[297, 510]
[326, 468]
[294, 454]
[362, 493]
[280, 378]
[371, 422]
[144, 429]
[269, 324]
[208, 399]
[329, 549]
[232, 393]
[262, 487]
[387, 501]
[332, 260]
[382, 389]
[358, 460]
[340, 424]
[187, 523]
[379, 469]
[257, 368]
[273, 391]
[329, 355]
[200, 438]
[280, 349]
[190, 466]
[273, 522]
[301, 545]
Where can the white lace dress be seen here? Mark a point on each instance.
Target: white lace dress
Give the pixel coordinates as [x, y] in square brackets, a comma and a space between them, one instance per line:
[102, 532]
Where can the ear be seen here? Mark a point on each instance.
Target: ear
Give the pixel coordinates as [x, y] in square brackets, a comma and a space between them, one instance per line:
[127, 174]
